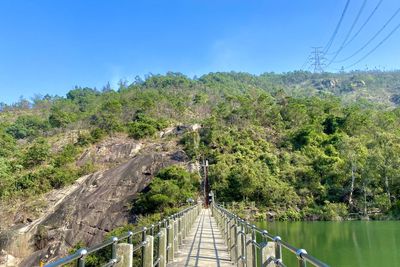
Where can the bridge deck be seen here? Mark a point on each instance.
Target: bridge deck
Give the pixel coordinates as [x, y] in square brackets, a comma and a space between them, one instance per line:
[204, 246]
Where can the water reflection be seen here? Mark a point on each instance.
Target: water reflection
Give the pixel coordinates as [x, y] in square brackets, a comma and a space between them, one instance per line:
[352, 243]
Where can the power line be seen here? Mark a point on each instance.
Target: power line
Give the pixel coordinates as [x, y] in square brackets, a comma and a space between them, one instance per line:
[365, 23]
[362, 26]
[304, 64]
[330, 42]
[376, 47]
[349, 32]
[372, 39]
[307, 63]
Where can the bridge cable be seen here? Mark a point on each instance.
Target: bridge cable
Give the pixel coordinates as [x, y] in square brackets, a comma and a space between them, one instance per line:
[348, 33]
[372, 39]
[330, 42]
[376, 47]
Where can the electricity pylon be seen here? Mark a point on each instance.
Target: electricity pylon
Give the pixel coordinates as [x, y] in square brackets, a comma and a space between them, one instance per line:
[317, 59]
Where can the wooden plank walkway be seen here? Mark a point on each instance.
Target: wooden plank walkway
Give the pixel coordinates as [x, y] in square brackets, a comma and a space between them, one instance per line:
[204, 246]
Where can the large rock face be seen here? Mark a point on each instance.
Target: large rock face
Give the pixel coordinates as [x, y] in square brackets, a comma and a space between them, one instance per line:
[113, 150]
[94, 205]
[97, 204]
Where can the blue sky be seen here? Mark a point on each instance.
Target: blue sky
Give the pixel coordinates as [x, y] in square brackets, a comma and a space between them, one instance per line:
[49, 46]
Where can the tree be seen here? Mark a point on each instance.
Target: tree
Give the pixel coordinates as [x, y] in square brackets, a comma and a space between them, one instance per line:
[138, 130]
[59, 118]
[354, 152]
[83, 97]
[387, 150]
[191, 142]
[107, 88]
[7, 144]
[109, 116]
[27, 126]
[6, 178]
[171, 187]
[38, 153]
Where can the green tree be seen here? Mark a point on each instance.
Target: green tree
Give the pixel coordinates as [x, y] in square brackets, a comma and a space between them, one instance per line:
[38, 153]
[138, 130]
[27, 126]
[8, 145]
[191, 142]
[59, 118]
[109, 116]
[171, 187]
[6, 178]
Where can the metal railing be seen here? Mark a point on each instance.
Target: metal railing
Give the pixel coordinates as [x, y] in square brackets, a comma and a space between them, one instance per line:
[245, 250]
[167, 233]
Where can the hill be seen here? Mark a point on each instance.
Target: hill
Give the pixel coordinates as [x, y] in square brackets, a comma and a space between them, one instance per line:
[299, 145]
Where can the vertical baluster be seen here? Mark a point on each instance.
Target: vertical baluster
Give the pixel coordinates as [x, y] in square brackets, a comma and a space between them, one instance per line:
[237, 229]
[243, 242]
[278, 248]
[81, 260]
[130, 234]
[254, 239]
[114, 247]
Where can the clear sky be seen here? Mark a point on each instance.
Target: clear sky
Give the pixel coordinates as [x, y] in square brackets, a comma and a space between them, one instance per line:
[49, 46]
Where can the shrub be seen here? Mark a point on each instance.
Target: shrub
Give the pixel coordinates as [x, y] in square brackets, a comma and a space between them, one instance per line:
[38, 153]
[59, 118]
[6, 178]
[170, 188]
[7, 144]
[89, 167]
[159, 124]
[63, 177]
[108, 118]
[84, 139]
[27, 126]
[97, 135]
[138, 130]
[26, 182]
[191, 141]
[41, 237]
[334, 211]
[67, 155]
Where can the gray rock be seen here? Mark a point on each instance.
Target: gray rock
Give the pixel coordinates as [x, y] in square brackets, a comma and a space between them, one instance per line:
[98, 205]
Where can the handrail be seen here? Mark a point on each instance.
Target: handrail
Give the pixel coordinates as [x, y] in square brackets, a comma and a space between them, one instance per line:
[225, 218]
[171, 223]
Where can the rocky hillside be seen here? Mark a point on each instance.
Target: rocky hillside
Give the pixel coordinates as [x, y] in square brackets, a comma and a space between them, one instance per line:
[92, 206]
[301, 146]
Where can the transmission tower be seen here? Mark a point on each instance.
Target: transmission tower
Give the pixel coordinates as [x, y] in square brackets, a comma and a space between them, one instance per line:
[317, 59]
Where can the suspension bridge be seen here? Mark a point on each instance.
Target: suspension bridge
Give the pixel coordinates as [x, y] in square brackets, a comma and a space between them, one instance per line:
[195, 236]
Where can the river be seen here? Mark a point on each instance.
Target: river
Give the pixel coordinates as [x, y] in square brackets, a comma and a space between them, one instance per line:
[342, 244]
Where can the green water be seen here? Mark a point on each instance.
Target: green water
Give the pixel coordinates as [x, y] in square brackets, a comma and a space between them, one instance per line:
[350, 243]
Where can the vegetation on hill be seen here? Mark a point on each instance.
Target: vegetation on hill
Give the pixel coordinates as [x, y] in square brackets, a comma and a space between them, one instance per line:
[303, 145]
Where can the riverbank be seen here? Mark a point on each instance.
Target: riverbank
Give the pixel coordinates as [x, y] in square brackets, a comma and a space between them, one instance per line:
[329, 212]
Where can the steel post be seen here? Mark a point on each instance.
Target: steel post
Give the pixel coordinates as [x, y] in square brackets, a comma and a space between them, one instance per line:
[299, 254]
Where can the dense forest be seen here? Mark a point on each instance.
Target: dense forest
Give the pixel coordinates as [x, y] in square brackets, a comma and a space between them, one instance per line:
[304, 145]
